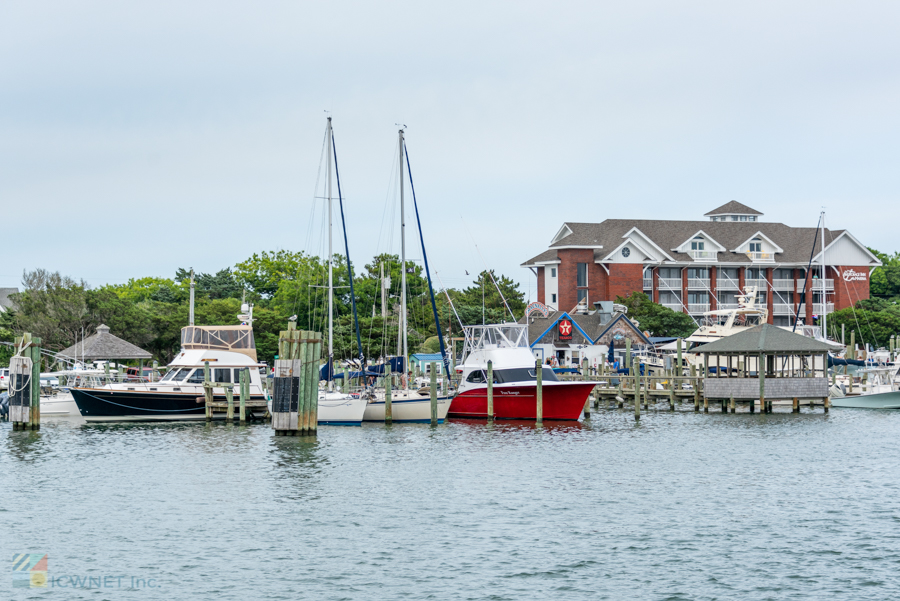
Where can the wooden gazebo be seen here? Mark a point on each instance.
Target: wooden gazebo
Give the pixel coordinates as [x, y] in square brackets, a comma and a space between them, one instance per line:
[765, 363]
[103, 346]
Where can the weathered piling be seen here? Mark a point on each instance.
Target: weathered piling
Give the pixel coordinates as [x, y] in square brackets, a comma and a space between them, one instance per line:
[245, 394]
[24, 384]
[628, 355]
[207, 391]
[388, 414]
[539, 392]
[637, 393]
[229, 398]
[490, 390]
[679, 356]
[296, 388]
[312, 405]
[433, 390]
[732, 403]
[587, 401]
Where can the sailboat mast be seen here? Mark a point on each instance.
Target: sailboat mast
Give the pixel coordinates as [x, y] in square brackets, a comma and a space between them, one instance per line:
[191, 312]
[403, 266]
[330, 269]
[824, 289]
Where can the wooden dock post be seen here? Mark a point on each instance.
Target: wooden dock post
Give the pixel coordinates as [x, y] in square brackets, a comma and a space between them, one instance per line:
[695, 386]
[229, 397]
[584, 377]
[244, 392]
[539, 392]
[434, 411]
[306, 371]
[154, 375]
[207, 391]
[637, 393]
[671, 394]
[761, 372]
[732, 404]
[388, 414]
[25, 384]
[680, 342]
[313, 400]
[490, 390]
[628, 355]
[796, 406]
[620, 400]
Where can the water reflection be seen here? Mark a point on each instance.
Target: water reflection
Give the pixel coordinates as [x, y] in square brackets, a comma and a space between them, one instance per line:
[26, 446]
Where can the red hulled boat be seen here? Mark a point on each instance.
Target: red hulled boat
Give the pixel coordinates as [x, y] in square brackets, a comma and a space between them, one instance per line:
[514, 375]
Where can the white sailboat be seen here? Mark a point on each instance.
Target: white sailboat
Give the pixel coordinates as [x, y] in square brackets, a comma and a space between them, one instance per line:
[335, 407]
[407, 405]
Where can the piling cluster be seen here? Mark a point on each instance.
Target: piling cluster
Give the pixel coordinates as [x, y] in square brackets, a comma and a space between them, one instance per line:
[295, 395]
[24, 384]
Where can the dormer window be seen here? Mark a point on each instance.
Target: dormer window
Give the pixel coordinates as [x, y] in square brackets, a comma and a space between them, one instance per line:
[756, 245]
[697, 243]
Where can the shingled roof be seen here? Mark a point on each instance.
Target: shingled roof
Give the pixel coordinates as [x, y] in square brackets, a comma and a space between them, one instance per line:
[733, 207]
[764, 339]
[795, 242]
[104, 345]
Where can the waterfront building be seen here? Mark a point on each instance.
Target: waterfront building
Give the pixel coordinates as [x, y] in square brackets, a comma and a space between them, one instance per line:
[698, 266]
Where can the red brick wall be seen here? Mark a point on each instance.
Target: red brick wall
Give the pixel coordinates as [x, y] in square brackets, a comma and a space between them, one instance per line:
[713, 295]
[655, 273]
[848, 293]
[625, 278]
[598, 284]
[568, 275]
[540, 285]
[770, 294]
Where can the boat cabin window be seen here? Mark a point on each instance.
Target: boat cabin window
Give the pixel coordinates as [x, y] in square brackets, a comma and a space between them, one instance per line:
[196, 377]
[523, 374]
[477, 377]
[221, 375]
[177, 375]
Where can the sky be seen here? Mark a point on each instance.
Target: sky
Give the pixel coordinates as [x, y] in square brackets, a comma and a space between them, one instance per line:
[140, 137]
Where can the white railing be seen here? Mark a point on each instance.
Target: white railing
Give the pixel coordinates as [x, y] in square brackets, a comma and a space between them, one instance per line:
[761, 257]
[670, 283]
[698, 283]
[703, 255]
[820, 309]
[648, 283]
[783, 284]
[673, 306]
[782, 309]
[727, 284]
[726, 306]
[817, 285]
[801, 310]
[698, 307]
[761, 285]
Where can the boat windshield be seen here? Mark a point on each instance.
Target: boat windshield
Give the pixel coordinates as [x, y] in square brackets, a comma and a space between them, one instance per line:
[238, 339]
[506, 376]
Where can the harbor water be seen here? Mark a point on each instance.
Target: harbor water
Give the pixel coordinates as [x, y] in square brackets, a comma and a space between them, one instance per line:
[679, 506]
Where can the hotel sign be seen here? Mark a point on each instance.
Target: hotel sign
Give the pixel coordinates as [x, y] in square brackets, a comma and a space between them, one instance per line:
[851, 275]
[565, 329]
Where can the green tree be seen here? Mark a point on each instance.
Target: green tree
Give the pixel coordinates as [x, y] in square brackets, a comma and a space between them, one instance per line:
[485, 288]
[655, 318]
[885, 280]
[264, 272]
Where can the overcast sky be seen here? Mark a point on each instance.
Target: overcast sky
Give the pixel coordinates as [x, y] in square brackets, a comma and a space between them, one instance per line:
[139, 137]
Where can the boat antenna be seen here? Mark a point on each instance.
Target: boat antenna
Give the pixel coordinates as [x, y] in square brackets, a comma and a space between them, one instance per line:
[806, 280]
[191, 312]
[337, 176]
[437, 321]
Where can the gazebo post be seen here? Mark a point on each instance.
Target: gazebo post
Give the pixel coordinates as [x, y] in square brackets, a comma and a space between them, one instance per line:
[761, 372]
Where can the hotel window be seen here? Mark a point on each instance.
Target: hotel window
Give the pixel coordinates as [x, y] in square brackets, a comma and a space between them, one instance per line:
[582, 295]
[670, 272]
[784, 274]
[553, 298]
[756, 245]
[734, 217]
[698, 298]
[697, 243]
[553, 272]
[669, 298]
[582, 279]
[751, 218]
[743, 218]
[755, 273]
[698, 273]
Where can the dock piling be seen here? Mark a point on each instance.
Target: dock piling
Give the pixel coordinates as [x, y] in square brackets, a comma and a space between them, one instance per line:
[539, 392]
[433, 387]
[637, 393]
[244, 390]
[490, 390]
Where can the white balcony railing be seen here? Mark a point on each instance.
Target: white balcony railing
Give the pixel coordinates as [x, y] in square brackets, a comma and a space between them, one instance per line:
[698, 307]
[673, 306]
[801, 310]
[761, 285]
[761, 257]
[670, 283]
[708, 256]
[782, 309]
[816, 285]
[727, 284]
[648, 283]
[698, 283]
[783, 284]
[821, 309]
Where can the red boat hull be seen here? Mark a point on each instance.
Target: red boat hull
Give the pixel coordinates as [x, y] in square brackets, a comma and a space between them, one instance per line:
[561, 401]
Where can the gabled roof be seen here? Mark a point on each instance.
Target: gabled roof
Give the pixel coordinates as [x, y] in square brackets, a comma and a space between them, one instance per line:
[764, 339]
[733, 207]
[104, 345]
[845, 234]
[618, 318]
[705, 235]
[564, 231]
[560, 315]
[538, 326]
[546, 257]
[758, 234]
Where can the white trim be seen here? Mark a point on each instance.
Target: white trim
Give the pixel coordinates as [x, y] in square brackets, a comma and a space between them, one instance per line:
[595, 246]
[605, 268]
[648, 239]
[758, 234]
[818, 257]
[682, 247]
[628, 241]
[560, 235]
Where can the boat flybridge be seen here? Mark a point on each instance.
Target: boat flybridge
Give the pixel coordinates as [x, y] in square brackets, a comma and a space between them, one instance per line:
[514, 378]
[725, 322]
[228, 349]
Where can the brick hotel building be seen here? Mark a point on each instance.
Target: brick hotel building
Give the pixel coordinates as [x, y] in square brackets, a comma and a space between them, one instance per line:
[697, 266]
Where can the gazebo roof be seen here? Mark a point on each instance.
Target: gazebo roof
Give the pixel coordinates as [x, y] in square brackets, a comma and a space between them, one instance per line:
[104, 345]
[764, 339]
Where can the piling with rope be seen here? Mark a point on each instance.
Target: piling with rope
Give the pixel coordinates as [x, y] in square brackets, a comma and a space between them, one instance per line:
[24, 384]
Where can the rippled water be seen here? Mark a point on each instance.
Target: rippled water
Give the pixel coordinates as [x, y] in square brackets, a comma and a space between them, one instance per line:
[681, 506]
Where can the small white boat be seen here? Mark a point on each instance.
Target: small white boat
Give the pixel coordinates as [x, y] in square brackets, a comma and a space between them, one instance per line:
[59, 404]
[881, 391]
[406, 406]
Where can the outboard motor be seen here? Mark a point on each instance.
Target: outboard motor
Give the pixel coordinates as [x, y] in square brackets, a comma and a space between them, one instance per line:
[4, 405]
